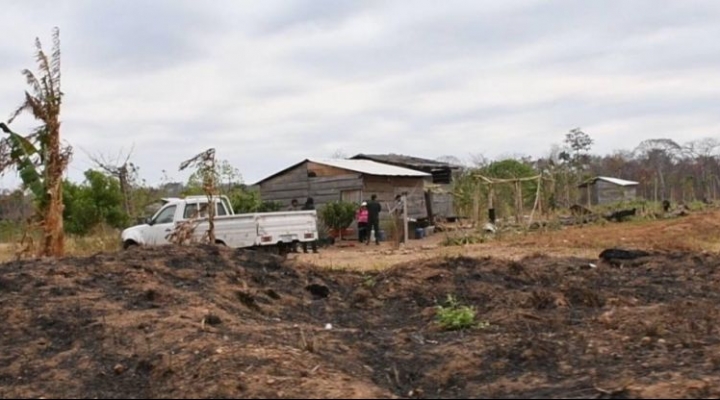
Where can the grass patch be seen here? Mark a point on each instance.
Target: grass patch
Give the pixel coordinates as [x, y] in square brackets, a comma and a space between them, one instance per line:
[463, 240]
[454, 316]
[102, 239]
[369, 281]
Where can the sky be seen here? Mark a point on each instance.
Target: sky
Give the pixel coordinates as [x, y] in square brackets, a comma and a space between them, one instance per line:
[269, 83]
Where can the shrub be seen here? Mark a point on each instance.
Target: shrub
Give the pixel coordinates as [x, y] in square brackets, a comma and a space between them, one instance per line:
[453, 316]
[338, 215]
[462, 240]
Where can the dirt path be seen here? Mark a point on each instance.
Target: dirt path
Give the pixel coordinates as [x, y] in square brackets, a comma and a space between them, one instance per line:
[697, 232]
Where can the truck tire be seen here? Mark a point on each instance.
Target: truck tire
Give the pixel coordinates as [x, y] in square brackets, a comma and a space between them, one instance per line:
[129, 244]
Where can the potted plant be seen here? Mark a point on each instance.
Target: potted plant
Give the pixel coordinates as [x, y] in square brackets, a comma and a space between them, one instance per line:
[337, 217]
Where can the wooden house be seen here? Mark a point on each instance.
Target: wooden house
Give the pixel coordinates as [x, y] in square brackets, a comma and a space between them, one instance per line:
[604, 190]
[438, 189]
[347, 180]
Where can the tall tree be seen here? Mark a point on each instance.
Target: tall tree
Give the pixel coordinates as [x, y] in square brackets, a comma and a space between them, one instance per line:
[662, 155]
[42, 149]
[125, 171]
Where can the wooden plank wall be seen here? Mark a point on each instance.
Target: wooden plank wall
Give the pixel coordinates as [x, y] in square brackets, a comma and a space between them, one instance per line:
[442, 200]
[442, 205]
[322, 170]
[606, 192]
[326, 189]
[386, 188]
[295, 184]
[329, 183]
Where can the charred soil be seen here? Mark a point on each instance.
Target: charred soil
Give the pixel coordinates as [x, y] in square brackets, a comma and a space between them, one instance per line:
[208, 322]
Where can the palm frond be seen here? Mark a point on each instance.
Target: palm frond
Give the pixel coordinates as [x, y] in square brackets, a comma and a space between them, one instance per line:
[56, 60]
[32, 104]
[44, 68]
[32, 81]
[20, 154]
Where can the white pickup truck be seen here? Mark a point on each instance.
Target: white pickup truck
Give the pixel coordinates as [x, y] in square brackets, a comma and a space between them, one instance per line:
[275, 231]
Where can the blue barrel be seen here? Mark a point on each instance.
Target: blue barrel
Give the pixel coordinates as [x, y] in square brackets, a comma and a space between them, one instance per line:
[381, 236]
[419, 233]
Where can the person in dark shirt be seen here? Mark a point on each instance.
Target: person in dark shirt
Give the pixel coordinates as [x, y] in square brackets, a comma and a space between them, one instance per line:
[294, 205]
[309, 205]
[374, 209]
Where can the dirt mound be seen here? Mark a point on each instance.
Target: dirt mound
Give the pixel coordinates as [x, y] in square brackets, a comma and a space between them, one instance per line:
[209, 322]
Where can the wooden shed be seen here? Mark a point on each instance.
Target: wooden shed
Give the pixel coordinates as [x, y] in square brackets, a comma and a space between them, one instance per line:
[347, 180]
[605, 190]
[438, 189]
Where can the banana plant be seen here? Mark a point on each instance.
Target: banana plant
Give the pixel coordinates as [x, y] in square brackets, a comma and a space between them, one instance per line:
[21, 153]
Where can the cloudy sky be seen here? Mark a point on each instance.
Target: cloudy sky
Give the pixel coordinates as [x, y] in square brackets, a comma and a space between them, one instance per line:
[269, 83]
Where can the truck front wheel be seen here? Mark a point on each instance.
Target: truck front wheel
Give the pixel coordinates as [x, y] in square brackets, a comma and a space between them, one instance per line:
[128, 244]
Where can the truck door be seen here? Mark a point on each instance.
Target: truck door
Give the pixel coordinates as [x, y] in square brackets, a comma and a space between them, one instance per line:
[162, 225]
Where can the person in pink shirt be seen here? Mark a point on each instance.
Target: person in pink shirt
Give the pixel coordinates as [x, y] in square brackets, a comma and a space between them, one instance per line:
[362, 221]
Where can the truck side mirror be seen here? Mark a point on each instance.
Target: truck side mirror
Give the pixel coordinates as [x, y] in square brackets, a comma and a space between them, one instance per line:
[148, 221]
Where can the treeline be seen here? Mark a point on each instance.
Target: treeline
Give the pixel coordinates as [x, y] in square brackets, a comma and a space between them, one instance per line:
[665, 170]
[101, 201]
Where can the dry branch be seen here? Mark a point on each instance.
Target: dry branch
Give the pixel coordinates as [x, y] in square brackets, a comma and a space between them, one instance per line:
[205, 164]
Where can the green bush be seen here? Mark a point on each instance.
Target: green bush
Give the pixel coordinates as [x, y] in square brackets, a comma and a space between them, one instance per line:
[96, 201]
[453, 316]
[338, 215]
[249, 201]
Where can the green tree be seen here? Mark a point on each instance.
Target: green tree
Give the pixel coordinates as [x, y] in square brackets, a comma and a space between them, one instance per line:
[98, 200]
[575, 160]
[249, 201]
[227, 177]
[577, 147]
[505, 192]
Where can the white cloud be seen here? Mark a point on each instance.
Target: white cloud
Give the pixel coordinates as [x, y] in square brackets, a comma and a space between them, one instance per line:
[270, 83]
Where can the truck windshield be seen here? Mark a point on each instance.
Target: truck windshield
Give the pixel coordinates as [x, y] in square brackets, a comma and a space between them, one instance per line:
[191, 210]
[165, 215]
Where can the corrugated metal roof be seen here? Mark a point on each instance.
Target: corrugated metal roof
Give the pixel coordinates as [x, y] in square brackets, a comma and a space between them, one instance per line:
[620, 182]
[405, 161]
[616, 181]
[369, 167]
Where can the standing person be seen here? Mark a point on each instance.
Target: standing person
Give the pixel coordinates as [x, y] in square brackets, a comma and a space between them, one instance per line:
[374, 209]
[309, 205]
[362, 221]
[294, 205]
[398, 221]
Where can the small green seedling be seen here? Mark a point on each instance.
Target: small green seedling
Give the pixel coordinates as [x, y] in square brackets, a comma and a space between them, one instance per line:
[453, 316]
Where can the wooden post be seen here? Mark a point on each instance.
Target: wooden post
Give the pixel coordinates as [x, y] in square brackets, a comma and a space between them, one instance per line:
[655, 182]
[405, 218]
[537, 205]
[518, 201]
[429, 196]
[589, 196]
[567, 190]
[491, 208]
[476, 205]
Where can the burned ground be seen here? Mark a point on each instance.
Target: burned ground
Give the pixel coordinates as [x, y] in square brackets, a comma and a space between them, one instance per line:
[208, 322]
